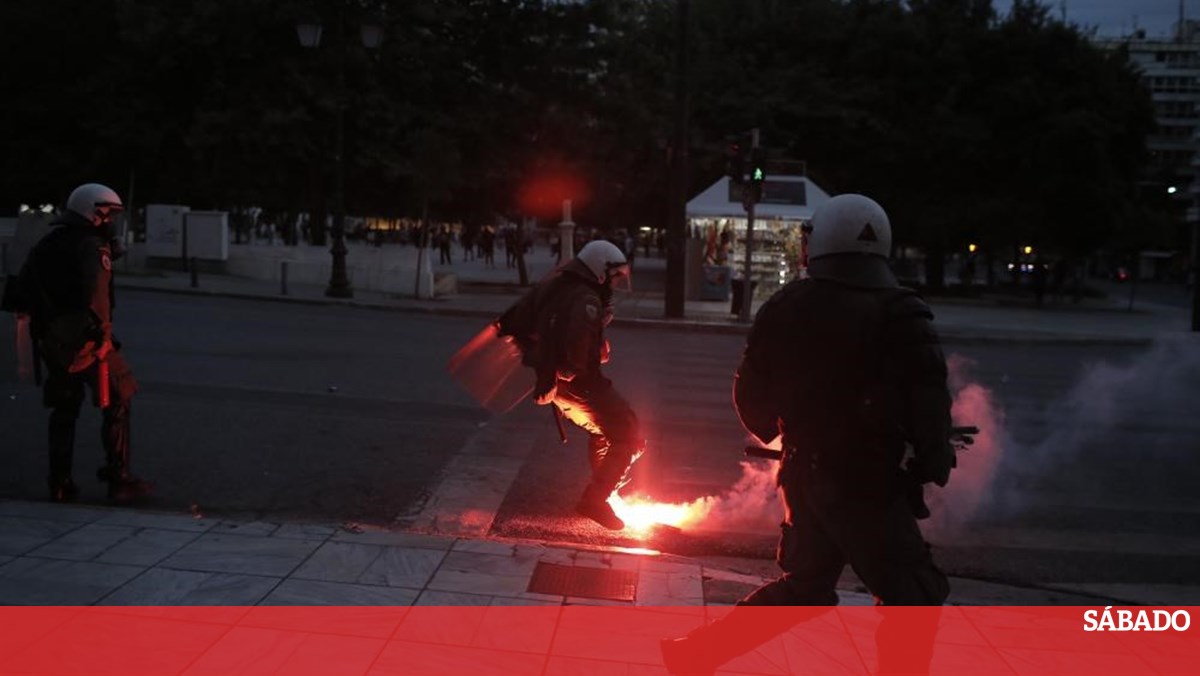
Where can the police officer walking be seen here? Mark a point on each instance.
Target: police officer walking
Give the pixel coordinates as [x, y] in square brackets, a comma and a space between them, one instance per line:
[559, 326]
[847, 368]
[66, 286]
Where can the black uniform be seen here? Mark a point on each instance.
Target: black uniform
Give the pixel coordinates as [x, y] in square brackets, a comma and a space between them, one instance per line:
[66, 284]
[849, 375]
[560, 329]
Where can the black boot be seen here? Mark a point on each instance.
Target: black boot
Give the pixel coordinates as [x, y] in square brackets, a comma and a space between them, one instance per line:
[63, 490]
[594, 505]
[62, 443]
[123, 486]
[129, 489]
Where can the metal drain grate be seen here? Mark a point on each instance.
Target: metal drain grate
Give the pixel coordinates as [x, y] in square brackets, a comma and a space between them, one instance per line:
[592, 583]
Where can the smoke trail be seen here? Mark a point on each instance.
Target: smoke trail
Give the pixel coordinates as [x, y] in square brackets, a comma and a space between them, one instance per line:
[752, 505]
[972, 480]
[1147, 404]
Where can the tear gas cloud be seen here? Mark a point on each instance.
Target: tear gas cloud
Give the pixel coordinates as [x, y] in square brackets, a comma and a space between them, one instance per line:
[1149, 403]
[970, 483]
[993, 474]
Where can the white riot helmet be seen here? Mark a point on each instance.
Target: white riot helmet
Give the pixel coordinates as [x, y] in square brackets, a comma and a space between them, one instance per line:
[606, 262]
[94, 202]
[850, 242]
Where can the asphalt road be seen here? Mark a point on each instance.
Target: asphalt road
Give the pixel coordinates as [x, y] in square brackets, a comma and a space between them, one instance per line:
[1085, 473]
[263, 409]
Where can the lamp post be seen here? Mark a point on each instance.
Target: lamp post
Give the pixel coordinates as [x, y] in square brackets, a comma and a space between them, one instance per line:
[309, 34]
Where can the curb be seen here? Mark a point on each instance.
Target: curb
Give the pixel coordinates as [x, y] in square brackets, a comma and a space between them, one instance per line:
[948, 337]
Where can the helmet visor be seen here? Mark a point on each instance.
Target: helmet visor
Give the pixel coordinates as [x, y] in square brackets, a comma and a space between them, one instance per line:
[620, 278]
[105, 211]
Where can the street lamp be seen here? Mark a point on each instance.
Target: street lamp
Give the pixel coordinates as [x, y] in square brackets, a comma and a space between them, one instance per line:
[309, 34]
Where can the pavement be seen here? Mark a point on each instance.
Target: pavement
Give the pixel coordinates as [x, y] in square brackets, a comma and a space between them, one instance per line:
[52, 554]
[485, 292]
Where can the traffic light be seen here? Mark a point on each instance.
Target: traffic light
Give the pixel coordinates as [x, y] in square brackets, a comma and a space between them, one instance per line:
[758, 167]
[735, 163]
[758, 174]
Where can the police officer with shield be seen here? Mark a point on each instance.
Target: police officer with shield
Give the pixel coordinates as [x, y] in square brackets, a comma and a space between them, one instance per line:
[559, 326]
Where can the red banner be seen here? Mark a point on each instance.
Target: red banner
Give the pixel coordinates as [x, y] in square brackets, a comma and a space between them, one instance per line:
[597, 640]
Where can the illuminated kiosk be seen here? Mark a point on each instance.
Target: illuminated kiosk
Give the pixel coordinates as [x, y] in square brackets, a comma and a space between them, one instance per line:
[717, 234]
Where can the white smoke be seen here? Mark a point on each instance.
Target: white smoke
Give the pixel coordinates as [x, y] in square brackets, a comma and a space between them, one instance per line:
[993, 474]
[1158, 389]
[971, 482]
[752, 505]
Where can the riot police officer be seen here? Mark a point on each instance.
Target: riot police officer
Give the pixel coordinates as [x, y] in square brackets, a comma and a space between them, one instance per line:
[66, 284]
[845, 366]
[559, 326]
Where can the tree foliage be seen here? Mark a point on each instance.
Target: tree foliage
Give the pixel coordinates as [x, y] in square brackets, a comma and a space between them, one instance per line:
[966, 125]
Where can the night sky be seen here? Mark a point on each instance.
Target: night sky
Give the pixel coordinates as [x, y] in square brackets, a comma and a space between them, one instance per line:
[1117, 17]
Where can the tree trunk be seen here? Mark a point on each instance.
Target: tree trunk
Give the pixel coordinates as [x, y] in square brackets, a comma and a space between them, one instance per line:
[935, 268]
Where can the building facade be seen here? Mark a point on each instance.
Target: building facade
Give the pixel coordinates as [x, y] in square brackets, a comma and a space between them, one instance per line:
[1170, 69]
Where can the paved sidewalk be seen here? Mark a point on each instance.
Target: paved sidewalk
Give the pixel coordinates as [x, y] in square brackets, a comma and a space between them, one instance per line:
[484, 293]
[53, 554]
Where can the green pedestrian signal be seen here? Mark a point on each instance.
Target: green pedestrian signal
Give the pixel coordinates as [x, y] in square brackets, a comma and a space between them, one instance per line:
[758, 166]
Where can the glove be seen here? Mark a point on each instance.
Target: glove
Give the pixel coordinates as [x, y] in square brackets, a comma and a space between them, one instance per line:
[105, 348]
[545, 397]
[924, 472]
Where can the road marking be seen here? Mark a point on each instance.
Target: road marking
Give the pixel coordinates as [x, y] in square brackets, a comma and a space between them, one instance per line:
[477, 479]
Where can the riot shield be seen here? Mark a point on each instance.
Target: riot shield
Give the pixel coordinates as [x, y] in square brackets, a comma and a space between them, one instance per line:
[489, 368]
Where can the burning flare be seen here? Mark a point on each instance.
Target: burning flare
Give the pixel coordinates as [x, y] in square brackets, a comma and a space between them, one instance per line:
[749, 506]
[641, 514]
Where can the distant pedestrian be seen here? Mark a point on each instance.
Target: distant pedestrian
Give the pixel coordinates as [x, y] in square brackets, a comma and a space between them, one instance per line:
[509, 238]
[443, 243]
[468, 242]
[487, 244]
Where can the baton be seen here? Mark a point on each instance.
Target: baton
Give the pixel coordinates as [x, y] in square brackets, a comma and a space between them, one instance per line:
[562, 432]
[102, 390]
[764, 453]
[957, 431]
